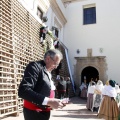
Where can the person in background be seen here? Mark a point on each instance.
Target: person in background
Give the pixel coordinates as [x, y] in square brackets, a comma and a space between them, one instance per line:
[118, 93]
[91, 80]
[97, 98]
[83, 89]
[56, 43]
[43, 32]
[57, 71]
[116, 86]
[109, 108]
[37, 88]
[61, 88]
[107, 83]
[90, 94]
[96, 80]
[67, 86]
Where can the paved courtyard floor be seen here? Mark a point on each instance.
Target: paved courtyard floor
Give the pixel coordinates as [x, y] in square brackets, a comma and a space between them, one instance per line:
[73, 111]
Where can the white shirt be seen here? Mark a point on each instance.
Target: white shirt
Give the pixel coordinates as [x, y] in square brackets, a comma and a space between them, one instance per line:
[52, 88]
[109, 91]
[83, 86]
[91, 89]
[99, 88]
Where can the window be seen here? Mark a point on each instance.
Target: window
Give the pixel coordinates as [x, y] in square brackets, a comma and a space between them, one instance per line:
[56, 33]
[89, 15]
[39, 13]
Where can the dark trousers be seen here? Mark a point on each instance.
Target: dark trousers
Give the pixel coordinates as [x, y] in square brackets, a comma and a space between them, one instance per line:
[67, 93]
[43, 35]
[34, 115]
[61, 94]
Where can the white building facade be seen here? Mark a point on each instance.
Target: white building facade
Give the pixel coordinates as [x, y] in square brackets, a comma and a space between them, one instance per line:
[100, 39]
[93, 47]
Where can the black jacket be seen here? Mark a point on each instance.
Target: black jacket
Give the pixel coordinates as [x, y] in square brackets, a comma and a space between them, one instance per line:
[35, 85]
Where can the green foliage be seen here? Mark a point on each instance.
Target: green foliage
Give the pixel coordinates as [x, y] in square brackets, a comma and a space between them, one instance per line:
[50, 33]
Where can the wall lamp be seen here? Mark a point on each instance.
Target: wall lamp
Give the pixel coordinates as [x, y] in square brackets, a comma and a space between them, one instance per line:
[45, 19]
[101, 50]
[78, 51]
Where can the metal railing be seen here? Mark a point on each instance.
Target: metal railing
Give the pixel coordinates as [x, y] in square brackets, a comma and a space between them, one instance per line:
[68, 63]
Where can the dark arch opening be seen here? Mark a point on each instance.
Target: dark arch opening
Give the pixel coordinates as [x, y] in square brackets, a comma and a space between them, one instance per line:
[88, 73]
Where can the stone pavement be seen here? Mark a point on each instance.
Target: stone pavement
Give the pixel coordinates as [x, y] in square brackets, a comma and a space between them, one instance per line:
[73, 111]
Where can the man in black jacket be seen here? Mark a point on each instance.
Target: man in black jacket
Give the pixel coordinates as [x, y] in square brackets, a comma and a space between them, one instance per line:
[37, 88]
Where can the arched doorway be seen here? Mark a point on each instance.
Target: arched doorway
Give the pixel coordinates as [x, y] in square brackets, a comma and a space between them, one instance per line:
[86, 65]
[88, 73]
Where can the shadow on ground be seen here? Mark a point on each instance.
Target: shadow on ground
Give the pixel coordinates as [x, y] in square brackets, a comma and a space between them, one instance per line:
[77, 116]
[77, 109]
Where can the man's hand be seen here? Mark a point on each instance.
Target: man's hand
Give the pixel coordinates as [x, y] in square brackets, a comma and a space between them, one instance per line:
[55, 103]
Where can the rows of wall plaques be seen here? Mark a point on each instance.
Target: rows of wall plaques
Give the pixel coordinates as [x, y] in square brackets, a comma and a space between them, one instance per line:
[7, 78]
[26, 41]
[19, 44]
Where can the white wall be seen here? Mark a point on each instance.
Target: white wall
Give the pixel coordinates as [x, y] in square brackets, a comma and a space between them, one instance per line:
[31, 6]
[104, 34]
[61, 6]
